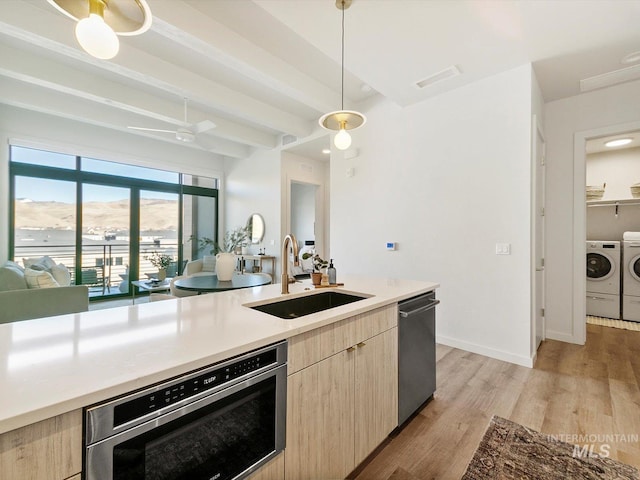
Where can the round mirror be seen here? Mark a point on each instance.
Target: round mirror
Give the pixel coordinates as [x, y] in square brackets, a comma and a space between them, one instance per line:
[255, 226]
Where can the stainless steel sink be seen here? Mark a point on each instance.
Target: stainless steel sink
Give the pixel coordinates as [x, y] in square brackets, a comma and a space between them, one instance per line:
[306, 305]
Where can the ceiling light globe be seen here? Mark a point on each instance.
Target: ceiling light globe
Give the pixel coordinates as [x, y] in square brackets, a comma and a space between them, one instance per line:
[97, 38]
[618, 142]
[342, 140]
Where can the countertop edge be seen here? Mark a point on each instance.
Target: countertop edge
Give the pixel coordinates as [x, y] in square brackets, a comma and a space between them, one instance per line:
[47, 411]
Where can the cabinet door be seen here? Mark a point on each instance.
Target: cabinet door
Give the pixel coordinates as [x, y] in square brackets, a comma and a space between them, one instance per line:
[320, 420]
[376, 392]
[47, 450]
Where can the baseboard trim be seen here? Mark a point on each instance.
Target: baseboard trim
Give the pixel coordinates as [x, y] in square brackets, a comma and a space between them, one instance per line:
[487, 352]
[561, 337]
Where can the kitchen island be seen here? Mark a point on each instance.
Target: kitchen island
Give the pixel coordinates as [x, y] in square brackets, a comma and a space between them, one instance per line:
[53, 366]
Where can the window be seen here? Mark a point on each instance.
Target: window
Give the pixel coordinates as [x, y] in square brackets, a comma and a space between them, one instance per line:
[131, 171]
[101, 219]
[42, 157]
[45, 219]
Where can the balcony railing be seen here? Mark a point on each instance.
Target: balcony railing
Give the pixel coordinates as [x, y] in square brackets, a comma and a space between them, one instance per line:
[105, 266]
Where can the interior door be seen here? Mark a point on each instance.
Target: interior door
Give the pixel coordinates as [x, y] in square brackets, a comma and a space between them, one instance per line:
[539, 234]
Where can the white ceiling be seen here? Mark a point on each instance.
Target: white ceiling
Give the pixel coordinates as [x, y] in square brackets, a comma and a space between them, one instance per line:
[261, 69]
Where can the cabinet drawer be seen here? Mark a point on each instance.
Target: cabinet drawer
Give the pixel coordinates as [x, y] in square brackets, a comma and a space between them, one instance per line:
[311, 347]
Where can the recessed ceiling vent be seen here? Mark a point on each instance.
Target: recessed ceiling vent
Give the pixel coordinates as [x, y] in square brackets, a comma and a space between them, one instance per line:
[449, 72]
[610, 78]
[287, 139]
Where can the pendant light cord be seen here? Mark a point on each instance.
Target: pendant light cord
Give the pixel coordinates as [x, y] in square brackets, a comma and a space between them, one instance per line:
[342, 87]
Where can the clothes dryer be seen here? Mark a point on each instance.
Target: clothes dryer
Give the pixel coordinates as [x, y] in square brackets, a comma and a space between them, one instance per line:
[631, 276]
[603, 278]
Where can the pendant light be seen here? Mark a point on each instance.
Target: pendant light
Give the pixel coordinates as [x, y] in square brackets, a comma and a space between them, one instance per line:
[101, 21]
[342, 120]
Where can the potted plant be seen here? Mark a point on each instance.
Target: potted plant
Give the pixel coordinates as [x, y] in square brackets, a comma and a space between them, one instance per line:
[232, 241]
[318, 265]
[161, 261]
[225, 252]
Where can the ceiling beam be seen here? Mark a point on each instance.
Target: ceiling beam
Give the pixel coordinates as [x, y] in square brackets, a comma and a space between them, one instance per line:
[46, 73]
[25, 95]
[226, 47]
[49, 29]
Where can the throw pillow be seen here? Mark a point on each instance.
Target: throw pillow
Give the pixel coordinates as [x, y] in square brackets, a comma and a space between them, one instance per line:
[11, 278]
[11, 264]
[47, 262]
[208, 263]
[61, 274]
[39, 279]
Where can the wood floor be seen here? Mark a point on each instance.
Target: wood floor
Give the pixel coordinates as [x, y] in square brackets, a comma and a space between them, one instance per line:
[573, 390]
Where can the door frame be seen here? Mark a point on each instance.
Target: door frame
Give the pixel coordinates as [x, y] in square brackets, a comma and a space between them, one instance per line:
[579, 303]
[537, 131]
[320, 214]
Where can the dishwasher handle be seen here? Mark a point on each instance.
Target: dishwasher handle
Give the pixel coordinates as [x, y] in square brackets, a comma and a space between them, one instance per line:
[424, 308]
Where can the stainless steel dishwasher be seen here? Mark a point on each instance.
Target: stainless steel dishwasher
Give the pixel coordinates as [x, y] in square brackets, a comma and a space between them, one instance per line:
[416, 353]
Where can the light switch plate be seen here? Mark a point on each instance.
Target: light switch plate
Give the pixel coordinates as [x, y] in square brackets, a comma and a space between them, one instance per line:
[503, 249]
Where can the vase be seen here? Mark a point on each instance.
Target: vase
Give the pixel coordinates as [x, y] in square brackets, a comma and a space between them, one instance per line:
[162, 274]
[316, 277]
[225, 265]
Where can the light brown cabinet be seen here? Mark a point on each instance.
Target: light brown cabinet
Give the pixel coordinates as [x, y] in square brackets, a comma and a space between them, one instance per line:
[376, 388]
[47, 450]
[341, 403]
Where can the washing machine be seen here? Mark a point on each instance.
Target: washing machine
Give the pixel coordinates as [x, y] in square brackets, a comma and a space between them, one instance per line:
[603, 278]
[631, 276]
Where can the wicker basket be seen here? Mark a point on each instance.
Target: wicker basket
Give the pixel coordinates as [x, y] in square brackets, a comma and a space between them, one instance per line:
[595, 192]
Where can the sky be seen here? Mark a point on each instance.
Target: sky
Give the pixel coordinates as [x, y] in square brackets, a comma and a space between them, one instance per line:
[41, 190]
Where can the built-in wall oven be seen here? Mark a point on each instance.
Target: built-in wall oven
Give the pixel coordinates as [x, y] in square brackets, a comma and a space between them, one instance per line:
[218, 423]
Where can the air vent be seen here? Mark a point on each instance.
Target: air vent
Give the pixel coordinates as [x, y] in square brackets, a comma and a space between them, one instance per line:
[287, 139]
[610, 78]
[449, 72]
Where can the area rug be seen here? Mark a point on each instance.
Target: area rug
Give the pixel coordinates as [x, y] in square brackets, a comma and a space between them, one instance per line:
[610, 322]
[511, 451]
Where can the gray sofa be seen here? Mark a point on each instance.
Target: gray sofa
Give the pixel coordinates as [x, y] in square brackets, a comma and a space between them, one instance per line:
[18, 302]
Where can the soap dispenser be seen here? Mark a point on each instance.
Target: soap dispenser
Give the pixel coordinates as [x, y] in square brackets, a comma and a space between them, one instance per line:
[331, 271]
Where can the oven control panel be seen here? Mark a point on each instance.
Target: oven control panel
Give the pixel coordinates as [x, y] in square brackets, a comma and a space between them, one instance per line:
[173, 392]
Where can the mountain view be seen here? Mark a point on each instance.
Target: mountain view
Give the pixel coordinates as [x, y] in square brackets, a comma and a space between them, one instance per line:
[157, 214]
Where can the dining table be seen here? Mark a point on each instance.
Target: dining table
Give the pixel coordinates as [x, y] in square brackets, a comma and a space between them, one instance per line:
[210, 283]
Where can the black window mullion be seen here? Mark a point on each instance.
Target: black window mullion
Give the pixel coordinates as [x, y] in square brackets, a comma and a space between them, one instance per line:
[79, 223]
[134, 237]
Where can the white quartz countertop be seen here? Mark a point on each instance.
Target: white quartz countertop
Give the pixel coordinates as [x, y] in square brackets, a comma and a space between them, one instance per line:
[53, 365]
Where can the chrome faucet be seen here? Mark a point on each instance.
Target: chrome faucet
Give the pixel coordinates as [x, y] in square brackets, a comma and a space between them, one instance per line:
[284, 279]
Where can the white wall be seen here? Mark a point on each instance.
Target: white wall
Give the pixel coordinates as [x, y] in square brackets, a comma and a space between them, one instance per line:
[303, 211]
[447, 179]
[619, 169]
[565, 121]
[296, 168]
[252, 185]
[44, 131]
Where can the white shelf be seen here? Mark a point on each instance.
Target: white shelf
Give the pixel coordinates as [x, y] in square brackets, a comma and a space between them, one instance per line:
[613, 203]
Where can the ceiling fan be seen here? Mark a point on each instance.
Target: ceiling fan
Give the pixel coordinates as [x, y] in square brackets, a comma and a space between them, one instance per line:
[185, 134]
